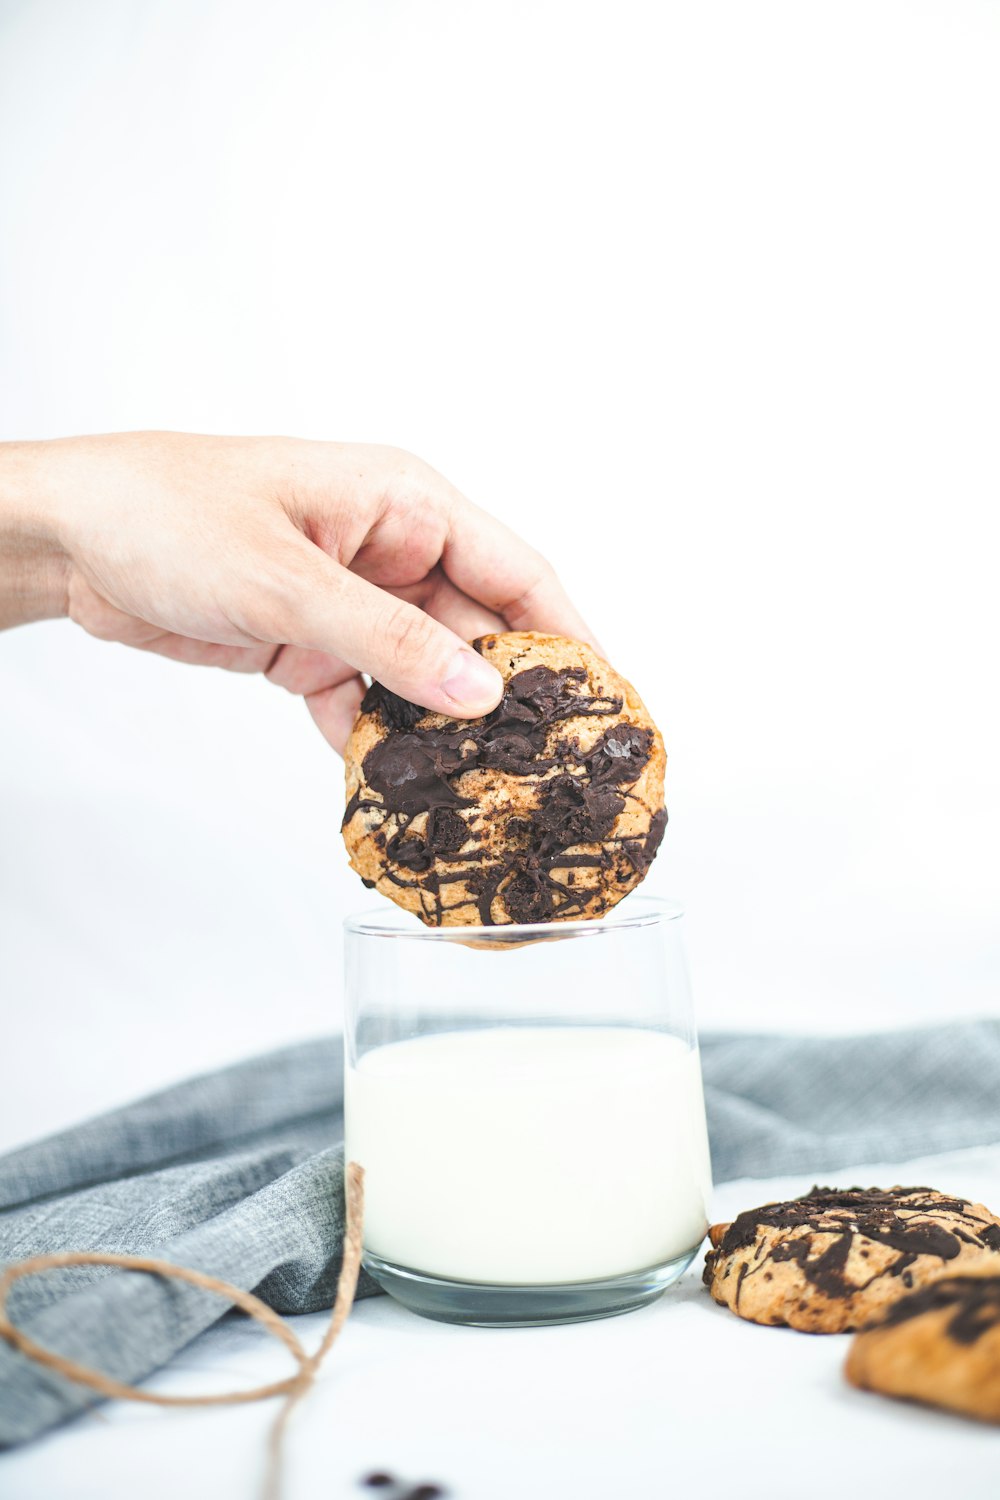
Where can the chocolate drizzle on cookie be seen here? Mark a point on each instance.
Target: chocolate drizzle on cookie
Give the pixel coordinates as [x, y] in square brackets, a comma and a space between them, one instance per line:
[907, 1220]
[974, 1302]
[415, 770]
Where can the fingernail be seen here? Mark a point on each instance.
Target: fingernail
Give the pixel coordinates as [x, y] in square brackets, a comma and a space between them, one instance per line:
[473, 686]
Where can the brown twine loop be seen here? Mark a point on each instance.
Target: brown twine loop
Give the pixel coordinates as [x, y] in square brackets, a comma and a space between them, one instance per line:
[293, 1388]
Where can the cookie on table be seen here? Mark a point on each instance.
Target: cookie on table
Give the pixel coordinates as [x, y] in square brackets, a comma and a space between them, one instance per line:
[940, 1345]
[830, 1261]
[550, 808]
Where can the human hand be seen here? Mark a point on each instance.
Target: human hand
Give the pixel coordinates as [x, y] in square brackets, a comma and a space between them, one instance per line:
[310, 562]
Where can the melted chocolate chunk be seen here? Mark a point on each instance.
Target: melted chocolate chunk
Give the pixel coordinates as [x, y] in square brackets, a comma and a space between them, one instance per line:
[845, 1213]
[396, 712]
[409, 853]
[410, 771]
[542, 695]
[620, 754]
[513, 736]
[528, 896]
[413, 770]
[974, 1300]
[572, 811]
[445, 834]
[446, 831]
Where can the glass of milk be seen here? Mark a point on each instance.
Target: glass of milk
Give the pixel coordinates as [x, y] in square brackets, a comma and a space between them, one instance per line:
[527, 1105]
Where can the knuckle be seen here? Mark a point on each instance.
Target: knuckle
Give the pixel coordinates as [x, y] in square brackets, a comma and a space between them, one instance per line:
[412, 477]
[399, 466]
[93, 614]
[406, 462]
[410, 633]
[541, 576]
[277, 593]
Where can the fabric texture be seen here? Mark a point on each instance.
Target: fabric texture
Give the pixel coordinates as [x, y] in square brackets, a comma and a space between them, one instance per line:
[240, 1174]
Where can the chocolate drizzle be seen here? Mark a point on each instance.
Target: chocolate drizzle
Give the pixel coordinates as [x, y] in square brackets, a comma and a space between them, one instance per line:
[905, 1219]
[974, 1302]
[413, 769]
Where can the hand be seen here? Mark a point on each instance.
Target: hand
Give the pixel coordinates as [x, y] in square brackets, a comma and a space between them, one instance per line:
[310, 562]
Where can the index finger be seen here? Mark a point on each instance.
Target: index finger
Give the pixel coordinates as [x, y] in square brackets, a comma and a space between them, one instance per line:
[491, 563]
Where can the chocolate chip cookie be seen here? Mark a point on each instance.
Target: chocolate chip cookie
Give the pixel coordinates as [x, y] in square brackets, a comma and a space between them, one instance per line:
[940, 1345]
[550, 808]
[829, 1261]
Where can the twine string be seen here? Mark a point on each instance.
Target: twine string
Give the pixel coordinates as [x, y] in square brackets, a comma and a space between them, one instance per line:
[293, 1387]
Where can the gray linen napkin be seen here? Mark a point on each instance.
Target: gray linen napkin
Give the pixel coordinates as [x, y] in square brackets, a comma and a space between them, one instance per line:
[240, 1174]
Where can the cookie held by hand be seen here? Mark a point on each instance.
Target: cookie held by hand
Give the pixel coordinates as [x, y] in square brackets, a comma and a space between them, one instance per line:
[548, 809]
[940, 1345]
[830, 1261]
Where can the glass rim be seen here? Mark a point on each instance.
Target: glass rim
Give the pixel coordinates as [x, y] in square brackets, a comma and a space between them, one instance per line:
[393, 922]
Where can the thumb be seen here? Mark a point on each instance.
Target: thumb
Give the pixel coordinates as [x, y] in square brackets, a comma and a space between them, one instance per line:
[399, 645]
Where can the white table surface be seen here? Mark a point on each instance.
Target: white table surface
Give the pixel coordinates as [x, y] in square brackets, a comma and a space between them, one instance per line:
[678, 1398]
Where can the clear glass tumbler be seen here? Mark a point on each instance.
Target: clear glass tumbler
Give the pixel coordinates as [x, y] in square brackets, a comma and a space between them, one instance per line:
[527, 1105]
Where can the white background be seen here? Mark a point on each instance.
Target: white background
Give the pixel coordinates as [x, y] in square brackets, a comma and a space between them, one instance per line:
[703, 298]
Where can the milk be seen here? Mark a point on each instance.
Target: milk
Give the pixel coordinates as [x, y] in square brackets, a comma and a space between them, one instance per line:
[527, 1155]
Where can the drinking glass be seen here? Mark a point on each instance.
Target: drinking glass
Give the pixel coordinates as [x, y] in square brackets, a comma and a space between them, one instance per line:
[526, 1102]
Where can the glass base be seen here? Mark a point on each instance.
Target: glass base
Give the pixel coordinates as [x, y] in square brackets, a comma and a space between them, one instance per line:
[492, 1306]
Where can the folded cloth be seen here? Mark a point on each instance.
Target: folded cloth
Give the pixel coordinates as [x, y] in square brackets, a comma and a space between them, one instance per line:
[240, 1174]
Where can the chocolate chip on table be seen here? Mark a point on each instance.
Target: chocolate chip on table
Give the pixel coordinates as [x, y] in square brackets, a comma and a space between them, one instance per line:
[381, 1480]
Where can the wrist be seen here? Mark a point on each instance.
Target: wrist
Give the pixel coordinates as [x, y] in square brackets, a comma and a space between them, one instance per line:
[33, 563]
